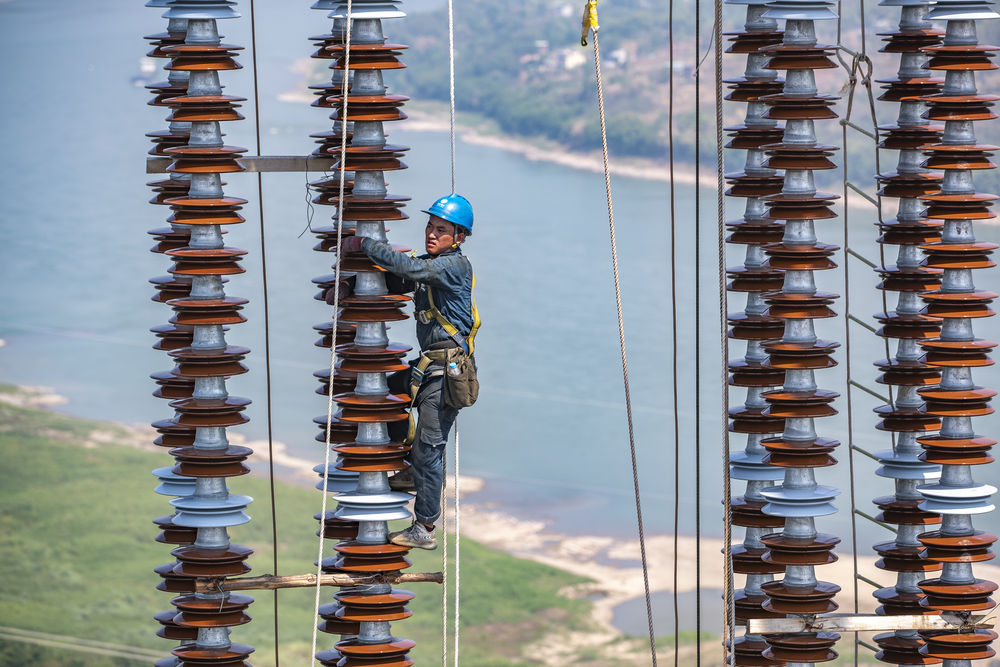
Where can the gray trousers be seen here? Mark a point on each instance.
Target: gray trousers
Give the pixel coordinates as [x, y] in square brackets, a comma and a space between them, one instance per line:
[434, 423]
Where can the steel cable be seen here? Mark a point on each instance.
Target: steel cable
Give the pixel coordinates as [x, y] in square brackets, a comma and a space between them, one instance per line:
[267, 329]
[621, 339]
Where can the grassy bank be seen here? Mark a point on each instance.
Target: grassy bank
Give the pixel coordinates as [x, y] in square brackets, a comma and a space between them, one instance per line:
[77, 553]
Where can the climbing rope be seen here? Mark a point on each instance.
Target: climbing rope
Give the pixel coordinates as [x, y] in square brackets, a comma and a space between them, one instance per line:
[336, 308]
[590, 25]
[267, 329]
[728, 611]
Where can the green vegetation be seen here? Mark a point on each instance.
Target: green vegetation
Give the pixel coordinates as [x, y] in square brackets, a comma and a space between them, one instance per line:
[77, 553]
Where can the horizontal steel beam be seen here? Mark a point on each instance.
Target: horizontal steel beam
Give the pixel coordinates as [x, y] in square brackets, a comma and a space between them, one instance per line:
[853, 623]
[272, 581]
[259, 163]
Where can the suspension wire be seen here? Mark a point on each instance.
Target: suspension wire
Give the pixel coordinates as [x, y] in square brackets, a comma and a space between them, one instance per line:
[267, 334]
[729, 617]
[858, 60]
[590, 24]
[451, 91]
[349, 27]
[673, 325]
[444, 512]
[697, 335]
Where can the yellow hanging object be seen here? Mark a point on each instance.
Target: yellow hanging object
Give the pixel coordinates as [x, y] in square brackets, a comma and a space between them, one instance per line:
[589, 20]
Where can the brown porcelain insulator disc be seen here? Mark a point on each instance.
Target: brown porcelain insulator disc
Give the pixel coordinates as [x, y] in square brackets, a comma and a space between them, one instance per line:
[806, 647]
[380, 607]
[368, 56]
[754, 327]
[799, 454]
[171, 387]
[195, 462]
[747, 651]
[749, 514]
[368, 107]
[171, 582]
[973, 548]
[750, 606]
[211, 612]
[171, 630]
[897, 603]
[925, 376]
[904, 511]
[789, 107]
[333, 625]
[167, 189]
[974, 645]
[909, 40]
[754, 374]
[345, 333]
[800, 56]
[789, 156]
[959, 207]
[966, 451]
[743, 89]
[908, 137]
[229, 656]
[961, 57]
[783, 599]
[963, 353]
[210, 411]
[206, 261]
[801, 257]
[966, 304]
[945, 596]
[958, 403]
[964, 108]
[898, 650]
[755, 232]
[368, 458]
[340, 432]
[915, 326]
[763, 279]
[387, 654]
[751, 41]
[202, 57]
[172, 435]
[944, 156]
[218, 215]
[784, 550]
[199, 562]
[791, 356]
[902, 419]
[357, 415]
[746, 560]
[373, 402]
[757, 426]
[171, 533]
[165, 139]
[959, 255]
[171, 287]
[196, 312]
[896, 558]
[168, 238]
[342, 381]
[907, 280]
[752, 185]
[205, 159]
[909, 184]
[373, 563]
[162, 39]
[221, 362]
[337, 529]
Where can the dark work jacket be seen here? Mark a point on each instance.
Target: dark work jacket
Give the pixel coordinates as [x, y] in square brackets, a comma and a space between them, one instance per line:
[449, 275]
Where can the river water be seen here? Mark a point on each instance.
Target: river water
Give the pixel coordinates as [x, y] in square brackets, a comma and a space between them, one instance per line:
[549, 433]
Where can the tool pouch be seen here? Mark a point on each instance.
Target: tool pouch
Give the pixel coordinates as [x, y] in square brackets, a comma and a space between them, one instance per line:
[461, 385]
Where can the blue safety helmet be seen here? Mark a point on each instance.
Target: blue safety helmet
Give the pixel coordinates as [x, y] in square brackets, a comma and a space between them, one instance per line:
[455, 209]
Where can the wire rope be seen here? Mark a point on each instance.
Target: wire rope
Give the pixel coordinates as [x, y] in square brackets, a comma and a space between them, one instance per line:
[697, 334]
[673, 326]
[729, 618]
[336, 307]
[590, 20]
[267, 329]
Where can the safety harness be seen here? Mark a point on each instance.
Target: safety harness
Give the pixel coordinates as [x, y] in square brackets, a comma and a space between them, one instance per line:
[419, 370]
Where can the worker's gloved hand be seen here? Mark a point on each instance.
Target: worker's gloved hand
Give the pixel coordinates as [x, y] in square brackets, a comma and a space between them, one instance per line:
[351, 244]
[340, 291]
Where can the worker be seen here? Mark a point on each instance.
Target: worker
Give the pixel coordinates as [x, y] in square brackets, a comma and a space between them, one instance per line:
[447, 321]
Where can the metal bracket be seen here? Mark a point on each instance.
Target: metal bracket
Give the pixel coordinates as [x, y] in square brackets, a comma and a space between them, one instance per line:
[853, 623]
[273, 581]
[259, 163]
